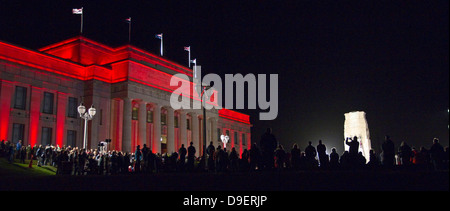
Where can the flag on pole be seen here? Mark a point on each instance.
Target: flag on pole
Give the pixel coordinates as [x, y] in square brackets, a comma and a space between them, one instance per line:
[160, 36]
[188, 49]
[128, 20]
[77, 11]
[194, 61]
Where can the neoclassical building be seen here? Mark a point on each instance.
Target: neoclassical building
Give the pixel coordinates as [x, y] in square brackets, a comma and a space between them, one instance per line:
[40, 91]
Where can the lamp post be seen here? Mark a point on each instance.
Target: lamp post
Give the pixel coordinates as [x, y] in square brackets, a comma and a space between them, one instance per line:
[89, 115]
[205, 93]
[202, 90]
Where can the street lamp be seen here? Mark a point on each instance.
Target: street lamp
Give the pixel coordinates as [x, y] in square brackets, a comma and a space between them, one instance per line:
[207, 93]
[202, 90]
[86, 116]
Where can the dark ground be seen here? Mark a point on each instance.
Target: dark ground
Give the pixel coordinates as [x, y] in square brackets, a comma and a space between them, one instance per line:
[256, 181]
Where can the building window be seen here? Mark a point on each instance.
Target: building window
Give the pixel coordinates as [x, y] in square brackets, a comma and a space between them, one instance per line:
[176, 122]
[188, 124]
[46, 137]
[20, 98]
[48, 103]
[236, 141]
[218, 135]
[71, 137]
[150, 116]
[17, 133]
[134, 114]
[243, 139]
[72, 107]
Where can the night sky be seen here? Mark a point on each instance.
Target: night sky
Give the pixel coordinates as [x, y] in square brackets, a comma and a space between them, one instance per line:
[387, 58]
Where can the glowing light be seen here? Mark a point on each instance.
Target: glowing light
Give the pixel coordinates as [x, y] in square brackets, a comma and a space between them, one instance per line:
[225, 140]
[356, 125]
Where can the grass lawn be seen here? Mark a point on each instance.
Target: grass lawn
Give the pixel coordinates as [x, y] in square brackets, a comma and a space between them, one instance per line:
[20, 169]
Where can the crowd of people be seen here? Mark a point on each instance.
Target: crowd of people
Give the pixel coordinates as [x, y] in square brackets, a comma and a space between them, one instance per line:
[268, 155]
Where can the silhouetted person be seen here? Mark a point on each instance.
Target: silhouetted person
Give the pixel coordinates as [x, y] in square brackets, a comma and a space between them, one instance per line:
[145, 152]
[388, 152]
[244, 161]
[126, 162]
[182, 152]
[221, 159]
[23, 154]
[405, 153]
[11, 153]
[234, 158]
[137, 158]
[437, 154]
[322, 152]
[268, 146]
[255, 157]
[81, 162]
[173, 161]
[353, 145]
[374, 161]
[361, 160]
[310, 153]
[210, 152]
[334, 159]
[280, 156]
[295, 157]
[191, 156]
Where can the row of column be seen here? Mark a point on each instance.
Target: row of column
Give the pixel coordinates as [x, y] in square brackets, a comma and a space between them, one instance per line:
[124, 142]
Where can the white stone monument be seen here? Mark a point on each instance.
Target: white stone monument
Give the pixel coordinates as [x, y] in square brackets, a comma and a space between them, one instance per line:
[356, 125]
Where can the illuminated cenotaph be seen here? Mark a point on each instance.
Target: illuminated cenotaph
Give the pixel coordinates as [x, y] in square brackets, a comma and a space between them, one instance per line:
[356, 125]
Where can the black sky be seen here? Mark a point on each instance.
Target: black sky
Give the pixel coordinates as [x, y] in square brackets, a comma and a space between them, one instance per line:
[387, 58]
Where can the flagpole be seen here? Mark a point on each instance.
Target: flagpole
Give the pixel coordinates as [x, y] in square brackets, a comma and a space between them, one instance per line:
[81, 28]
[189, 56]
[161, 44]
[129, 32]
[195, 68]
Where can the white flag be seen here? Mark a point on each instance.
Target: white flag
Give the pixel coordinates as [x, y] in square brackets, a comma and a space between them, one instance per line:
[77, 11]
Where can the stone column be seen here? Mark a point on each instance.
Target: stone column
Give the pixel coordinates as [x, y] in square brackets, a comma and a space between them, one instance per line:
[61, 108]
[157, 129]
[142, 123]
[116, 124]
[127, 110]
[170, 130]
[195, 133]
[232, 139]
[35, 111]
[183, 129]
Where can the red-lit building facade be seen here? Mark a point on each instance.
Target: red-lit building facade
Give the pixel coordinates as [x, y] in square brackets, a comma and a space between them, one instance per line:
[40, 91]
